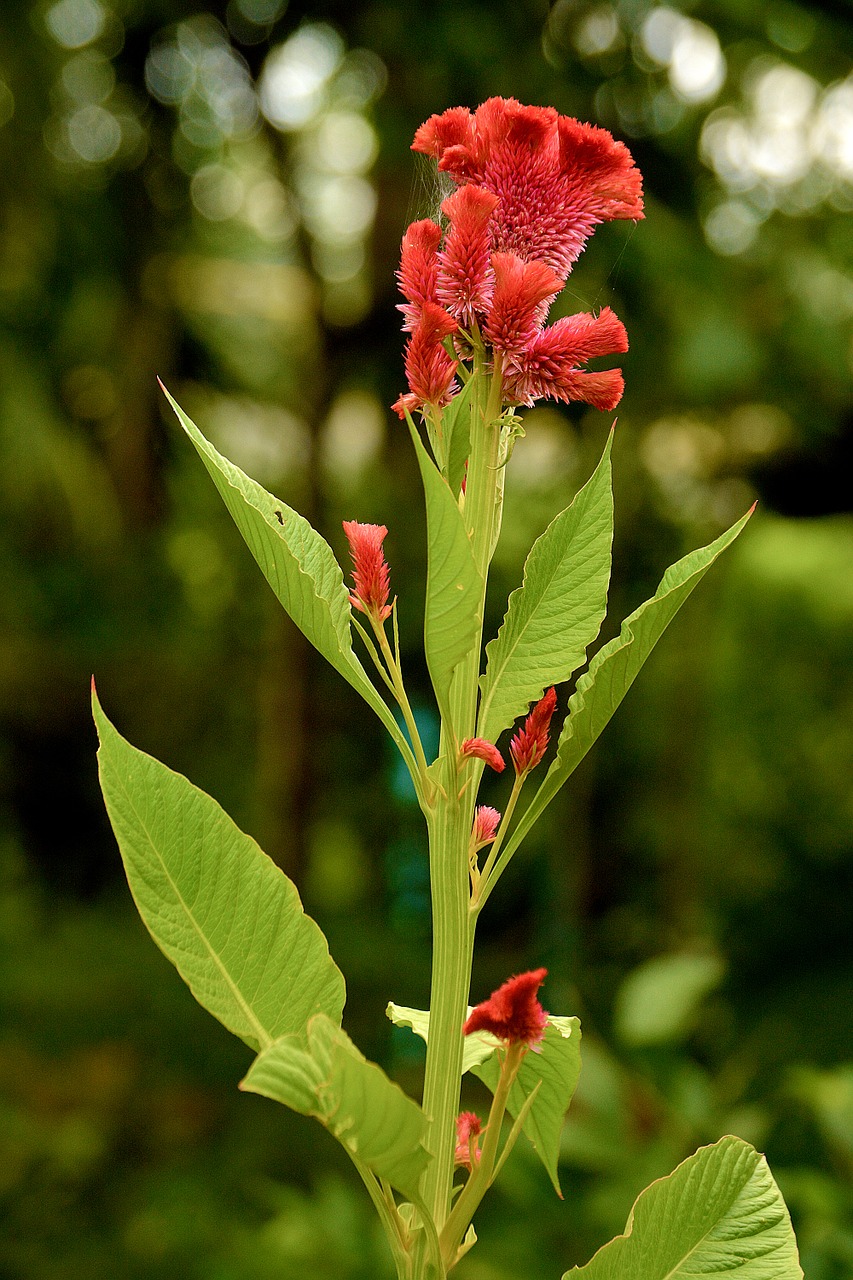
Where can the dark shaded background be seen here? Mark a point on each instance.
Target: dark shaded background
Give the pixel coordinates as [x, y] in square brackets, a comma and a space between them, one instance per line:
[216, 195]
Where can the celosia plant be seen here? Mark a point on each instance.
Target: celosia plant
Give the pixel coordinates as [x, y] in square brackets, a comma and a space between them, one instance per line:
[530, 187]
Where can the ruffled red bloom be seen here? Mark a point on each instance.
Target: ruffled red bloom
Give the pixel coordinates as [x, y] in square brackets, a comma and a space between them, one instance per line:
[529, 745]
[512, 1013]
[480, 749]
[549, 364]
[429, 365]
[531, 186]
[370, 575]
[466, 277]
[468, 1126]
[556, 178]
[486, 823]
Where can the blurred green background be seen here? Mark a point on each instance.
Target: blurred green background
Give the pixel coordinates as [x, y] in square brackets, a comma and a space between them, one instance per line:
[216, 194]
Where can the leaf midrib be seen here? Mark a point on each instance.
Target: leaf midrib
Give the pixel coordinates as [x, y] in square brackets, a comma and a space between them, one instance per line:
[264, 1038]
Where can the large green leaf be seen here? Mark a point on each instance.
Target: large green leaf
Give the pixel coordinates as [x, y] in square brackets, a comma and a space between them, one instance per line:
[376, 1122]
[613, 670]
[554, 1069]
[299, 565]
[225, 915]
[557, 611]
[719, 1214]
[454, 587]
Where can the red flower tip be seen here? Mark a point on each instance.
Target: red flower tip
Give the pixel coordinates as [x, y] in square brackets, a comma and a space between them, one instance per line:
[520, 301]
[429, 366]
[465, 277]
[512, 1013]
[529, 744]
[418, 268]
[480, 749]
[468, 1127]
[486, 823]
[370, 575]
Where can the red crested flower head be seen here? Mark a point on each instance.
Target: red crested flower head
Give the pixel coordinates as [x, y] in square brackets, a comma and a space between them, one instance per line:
[480, 749]
[486, 823]
[512, 1013]
[530, 188]
[467, 1130]
[530, 743]
[556, 179]
[370, 571]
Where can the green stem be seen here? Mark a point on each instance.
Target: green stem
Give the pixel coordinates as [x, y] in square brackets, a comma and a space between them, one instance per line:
[449, 833]
[481, 1174]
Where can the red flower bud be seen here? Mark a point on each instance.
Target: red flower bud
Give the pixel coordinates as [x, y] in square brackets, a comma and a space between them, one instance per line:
[370, 575]
[480, 749]
[528, 746]
[486, 823]
[467, 1127]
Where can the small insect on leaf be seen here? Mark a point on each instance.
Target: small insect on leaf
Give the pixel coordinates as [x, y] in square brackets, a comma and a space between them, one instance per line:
[279, 517]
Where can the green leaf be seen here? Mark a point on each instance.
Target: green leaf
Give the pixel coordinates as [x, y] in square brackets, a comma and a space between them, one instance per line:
[299, 565]
[454, 587]
[557, 611]
[456, 428]
[376, 1122]
[557, 1066]
[719, 1214]
[225, 915]
[613, 670]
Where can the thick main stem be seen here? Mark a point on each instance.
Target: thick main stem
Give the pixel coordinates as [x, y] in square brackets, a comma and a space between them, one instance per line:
[449, 833]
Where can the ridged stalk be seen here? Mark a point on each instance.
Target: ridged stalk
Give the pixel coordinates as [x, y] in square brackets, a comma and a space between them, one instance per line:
[449, 835]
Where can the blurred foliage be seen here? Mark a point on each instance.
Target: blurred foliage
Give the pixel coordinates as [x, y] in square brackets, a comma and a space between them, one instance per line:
[215, 194]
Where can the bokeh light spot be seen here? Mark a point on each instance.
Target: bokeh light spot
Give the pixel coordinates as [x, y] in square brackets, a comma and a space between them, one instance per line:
[74, 23]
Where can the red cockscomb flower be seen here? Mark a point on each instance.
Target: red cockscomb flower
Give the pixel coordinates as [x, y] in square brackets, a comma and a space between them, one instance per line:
[370, 593]
[528, 746]
[480, 749]
[556, 179]
[468, 1127]
[512, 1013]
[486, 823]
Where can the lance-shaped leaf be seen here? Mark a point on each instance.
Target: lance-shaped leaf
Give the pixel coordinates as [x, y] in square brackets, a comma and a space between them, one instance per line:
[299, 565]
[555, 1070]
[454, 587]
[225, 915]
[611, 673]
[456, 427]
[557, 611]
[719, 1214]
[376, 1122]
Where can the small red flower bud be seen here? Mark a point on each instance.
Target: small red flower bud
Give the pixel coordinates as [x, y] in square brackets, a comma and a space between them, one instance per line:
[480, 749]
[512, 1013]
[370, 575]
[486, 823]
[528, 746]
[467, 1128]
